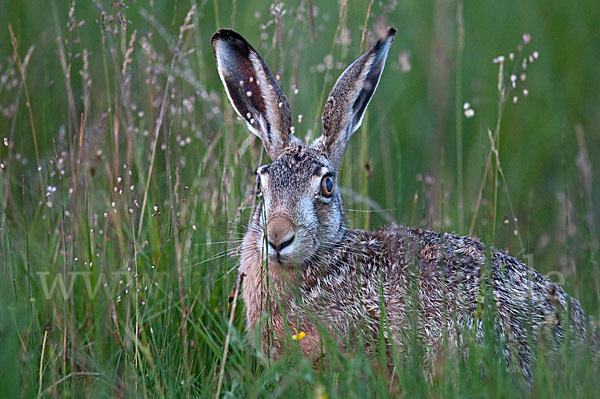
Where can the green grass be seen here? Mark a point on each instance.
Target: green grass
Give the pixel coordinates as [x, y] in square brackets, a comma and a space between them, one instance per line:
[145, 184]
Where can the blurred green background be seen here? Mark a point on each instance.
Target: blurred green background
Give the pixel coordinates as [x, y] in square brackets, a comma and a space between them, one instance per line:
[104, 78]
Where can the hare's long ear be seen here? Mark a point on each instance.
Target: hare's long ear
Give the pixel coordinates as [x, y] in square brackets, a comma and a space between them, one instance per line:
[253, 92]
[349, 98]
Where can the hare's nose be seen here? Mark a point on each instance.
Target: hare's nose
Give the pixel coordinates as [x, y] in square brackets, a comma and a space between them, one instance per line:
[280, 232]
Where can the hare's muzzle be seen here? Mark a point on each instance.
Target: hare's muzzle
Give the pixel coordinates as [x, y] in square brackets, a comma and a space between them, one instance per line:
[281, 232]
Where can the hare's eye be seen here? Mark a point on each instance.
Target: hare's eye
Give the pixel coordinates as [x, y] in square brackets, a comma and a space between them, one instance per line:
[258, 188]
[326, 186]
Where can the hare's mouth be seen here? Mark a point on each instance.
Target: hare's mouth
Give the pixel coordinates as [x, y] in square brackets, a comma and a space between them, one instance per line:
[295, 254]
[296, 258]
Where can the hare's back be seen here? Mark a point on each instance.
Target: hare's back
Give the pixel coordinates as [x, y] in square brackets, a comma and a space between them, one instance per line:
[447, 269]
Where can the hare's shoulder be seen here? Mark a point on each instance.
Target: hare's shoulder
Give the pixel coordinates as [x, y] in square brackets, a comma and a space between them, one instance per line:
[435, 252]
[425, 245]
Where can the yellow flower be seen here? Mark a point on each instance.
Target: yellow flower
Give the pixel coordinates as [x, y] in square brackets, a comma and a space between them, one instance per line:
[298, 336]
[320, 392]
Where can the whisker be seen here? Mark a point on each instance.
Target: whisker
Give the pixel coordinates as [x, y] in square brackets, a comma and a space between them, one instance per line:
[222, 254]
[217, 243]
[371, 210]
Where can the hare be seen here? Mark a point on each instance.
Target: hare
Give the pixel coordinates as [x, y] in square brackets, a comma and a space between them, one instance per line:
[302, 265]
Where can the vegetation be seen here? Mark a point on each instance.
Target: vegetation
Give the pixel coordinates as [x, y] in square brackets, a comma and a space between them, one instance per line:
[126, 183]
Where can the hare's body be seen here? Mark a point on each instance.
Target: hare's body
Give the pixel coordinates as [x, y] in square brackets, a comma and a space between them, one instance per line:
[304, 270]
[411, 275]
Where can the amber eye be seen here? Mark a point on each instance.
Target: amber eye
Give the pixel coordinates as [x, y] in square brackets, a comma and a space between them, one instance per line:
[326, 186]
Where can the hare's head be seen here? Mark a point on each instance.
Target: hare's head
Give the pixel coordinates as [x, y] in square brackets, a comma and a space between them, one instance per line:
[301, 214]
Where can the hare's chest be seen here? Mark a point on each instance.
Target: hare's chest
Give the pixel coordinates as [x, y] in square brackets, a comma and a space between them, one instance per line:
[275, 315]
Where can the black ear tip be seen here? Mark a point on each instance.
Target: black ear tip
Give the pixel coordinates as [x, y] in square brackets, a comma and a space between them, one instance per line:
[391, 32]
[231, 39]
[225, 34]
[213, 39]
[385, 39]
